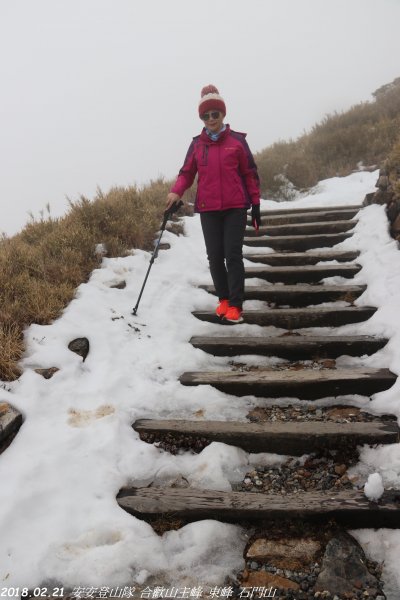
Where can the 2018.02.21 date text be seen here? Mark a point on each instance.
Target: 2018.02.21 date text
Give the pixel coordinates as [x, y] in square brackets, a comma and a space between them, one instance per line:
[37, 592]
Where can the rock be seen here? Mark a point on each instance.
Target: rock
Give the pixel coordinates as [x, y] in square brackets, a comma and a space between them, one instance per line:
[381, 197]
[343, 412]
[164, 246]
[47, 373]
[267, 580]
[290, 553]
[396, 225]
[382, 182]
[10, 422]
[393, 209]
[344, 567]
[340, 469]
[119, 286]
[80, 346]
[369, 199]
[328, 363]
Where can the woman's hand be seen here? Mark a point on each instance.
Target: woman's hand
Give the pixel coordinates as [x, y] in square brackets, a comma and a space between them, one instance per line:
[172, 198]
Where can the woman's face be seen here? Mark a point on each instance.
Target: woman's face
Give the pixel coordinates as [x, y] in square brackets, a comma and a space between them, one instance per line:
[213, 123]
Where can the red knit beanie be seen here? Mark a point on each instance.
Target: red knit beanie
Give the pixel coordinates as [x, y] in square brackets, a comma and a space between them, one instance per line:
[211, 100]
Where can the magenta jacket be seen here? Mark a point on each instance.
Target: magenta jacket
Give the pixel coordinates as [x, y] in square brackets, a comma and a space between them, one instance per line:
[227, 173]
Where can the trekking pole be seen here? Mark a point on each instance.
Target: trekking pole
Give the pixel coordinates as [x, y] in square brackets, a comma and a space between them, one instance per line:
[167, 214]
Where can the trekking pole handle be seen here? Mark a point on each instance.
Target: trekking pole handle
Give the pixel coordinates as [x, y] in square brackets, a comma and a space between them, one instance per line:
[172, 209]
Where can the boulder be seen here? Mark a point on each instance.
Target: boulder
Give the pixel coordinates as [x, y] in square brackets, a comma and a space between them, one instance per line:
[262, 579]
[80, 346]
[285, 553]
[344, 569]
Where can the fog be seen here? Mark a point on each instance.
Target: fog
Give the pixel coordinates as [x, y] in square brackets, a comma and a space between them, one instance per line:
[105, 92]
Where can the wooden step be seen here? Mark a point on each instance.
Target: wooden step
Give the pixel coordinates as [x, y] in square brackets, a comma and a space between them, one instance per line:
[281, 259]
[299, 295]
[349, 507]
[307, 274]
[306, 384]
[292, 438]
[296, 318]
[318, 209]
[306, 217]
[290, 347]
[322, 227]
[296, 242]
[10, 422]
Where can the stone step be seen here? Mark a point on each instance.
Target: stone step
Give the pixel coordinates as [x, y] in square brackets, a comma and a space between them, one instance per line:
[318, 209]
[281, 259]
[299, 295]
[307, 274]
[305, 384]
[296, 318]
[322, 227]
[296, 242]
[10, 422]
[268, 218]
[291, 438]
[290, 347]
[348, 507]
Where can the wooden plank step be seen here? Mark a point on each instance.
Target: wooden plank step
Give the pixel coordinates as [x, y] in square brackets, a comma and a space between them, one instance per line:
[268, 218]
[296, 318]
[307, 274]
[322, 227]
[292, 438]
[281, 259]
[306, 384]
[349, 507]
[296, 211]
[290, 347]
[10, 420]
[299, 295]
[296, 242]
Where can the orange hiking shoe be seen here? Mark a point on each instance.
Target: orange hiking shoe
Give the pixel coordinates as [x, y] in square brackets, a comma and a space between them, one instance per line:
[234, 315]
[222, 308]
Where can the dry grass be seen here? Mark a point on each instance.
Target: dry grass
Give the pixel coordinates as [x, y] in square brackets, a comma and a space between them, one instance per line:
[41, 267]
[366, 133]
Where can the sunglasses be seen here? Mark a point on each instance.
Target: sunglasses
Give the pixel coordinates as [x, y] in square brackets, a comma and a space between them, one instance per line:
[211, 115]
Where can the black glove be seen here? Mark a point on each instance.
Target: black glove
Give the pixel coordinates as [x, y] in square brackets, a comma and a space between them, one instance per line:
[172, 209]
[255, 216]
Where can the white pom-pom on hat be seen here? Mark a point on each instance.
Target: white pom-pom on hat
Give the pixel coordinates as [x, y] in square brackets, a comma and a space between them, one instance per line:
[211, 100]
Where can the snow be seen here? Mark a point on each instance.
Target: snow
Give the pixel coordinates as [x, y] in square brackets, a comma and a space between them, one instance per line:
[59, 519]
[374, 489]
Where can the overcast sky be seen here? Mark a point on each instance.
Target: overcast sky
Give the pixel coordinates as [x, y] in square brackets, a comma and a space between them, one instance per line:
[105, 92]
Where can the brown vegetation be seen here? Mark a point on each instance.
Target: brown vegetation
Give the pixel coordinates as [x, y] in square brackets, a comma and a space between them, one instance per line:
[366, 133]
[41, 267]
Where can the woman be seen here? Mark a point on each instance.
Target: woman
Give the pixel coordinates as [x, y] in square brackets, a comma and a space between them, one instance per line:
[228, 185]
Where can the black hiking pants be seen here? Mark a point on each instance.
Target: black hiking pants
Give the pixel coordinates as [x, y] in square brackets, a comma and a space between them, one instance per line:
[223, 232]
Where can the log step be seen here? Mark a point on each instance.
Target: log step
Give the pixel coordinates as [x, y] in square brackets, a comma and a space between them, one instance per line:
[322, 227]
[290, 347]
[292, 438]
[296, 318]
[299, 295]
[349, 507]
[281, 259]
[318, 209]
[307, 274]
[306, 384]
[307, 217]
[297, 242]
[10, 421]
